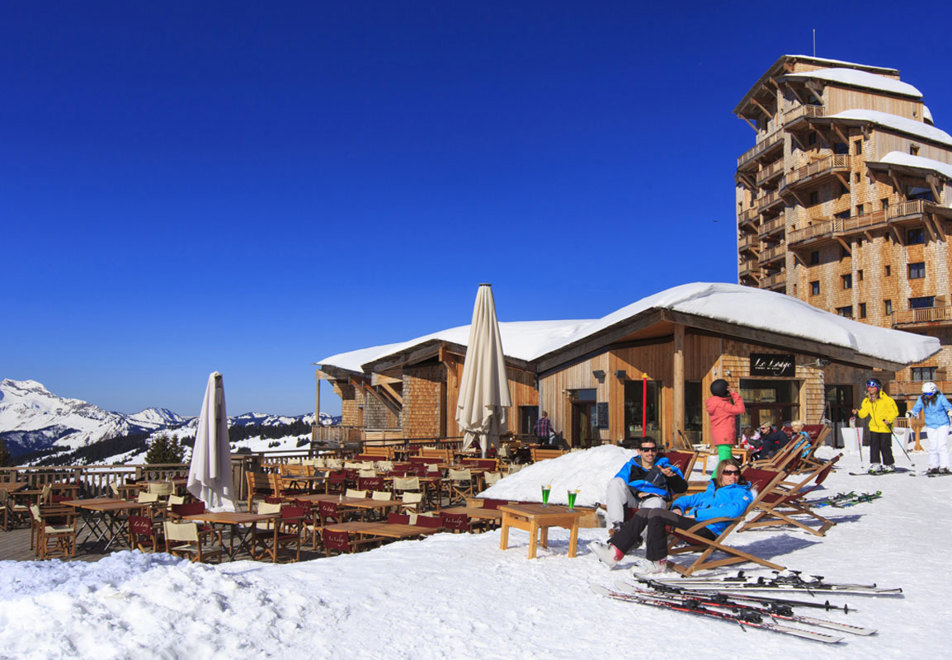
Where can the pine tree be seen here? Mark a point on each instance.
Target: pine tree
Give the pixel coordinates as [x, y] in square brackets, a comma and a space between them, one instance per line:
[165, 449]
[4, 454]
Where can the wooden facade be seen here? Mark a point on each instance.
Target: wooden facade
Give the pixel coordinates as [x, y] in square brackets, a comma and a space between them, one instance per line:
[822, 218]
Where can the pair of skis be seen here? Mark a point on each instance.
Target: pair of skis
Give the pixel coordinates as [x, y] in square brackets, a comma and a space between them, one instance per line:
[772, 617]
[851, 498]
[790, 582]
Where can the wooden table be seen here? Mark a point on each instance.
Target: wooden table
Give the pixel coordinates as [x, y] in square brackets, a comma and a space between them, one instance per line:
[476, 512]
[102, 517]
[249, 539]
[386, 530]
[536, 519]
[345, 503]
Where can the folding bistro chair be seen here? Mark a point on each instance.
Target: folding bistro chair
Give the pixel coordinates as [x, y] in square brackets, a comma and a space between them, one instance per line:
[462, 485]
[55, 531]
[688, 540]
[183, 540]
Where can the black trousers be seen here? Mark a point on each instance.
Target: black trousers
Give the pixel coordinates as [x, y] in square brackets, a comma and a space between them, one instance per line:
[880, 444]
[651, 523]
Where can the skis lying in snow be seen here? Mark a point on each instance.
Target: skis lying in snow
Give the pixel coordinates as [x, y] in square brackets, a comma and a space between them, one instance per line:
[660, 586]
[732, 603]
[851, 498]
[880, 473]
[743, 617]
[933, 474]
[791, 583]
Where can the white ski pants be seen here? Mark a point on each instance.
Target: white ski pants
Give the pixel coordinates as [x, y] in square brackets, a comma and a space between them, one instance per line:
[938, 446]
[619, 495]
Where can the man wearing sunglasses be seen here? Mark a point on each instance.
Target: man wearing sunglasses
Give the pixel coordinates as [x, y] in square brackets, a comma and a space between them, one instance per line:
[646, 481]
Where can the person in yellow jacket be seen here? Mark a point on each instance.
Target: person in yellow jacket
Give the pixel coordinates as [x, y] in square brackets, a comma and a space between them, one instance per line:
[881, 410]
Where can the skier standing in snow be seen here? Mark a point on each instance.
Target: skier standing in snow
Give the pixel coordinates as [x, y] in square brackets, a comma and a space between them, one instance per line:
[938, 410]
[728, 495]
[646, 481]
[881, 410]
[724, 407]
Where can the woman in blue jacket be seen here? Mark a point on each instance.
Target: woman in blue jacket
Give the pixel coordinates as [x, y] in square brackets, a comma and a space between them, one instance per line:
[727, 496]
[937, 409]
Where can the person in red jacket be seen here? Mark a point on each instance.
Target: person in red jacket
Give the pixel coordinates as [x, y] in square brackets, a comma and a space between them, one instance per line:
[724, 407]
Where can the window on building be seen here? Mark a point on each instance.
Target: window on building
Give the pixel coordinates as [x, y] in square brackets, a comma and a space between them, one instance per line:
[884, 202]
[842, 215]
[860, 208]
[856, 177]
[845, 311]
[923, 302]
[634, 400]
[840, 148]
[862, 310]
[814, 257]
[888, 270]
[811, 138]
[814, 197]
[815, 288]
[916, 236]
[528, 416]
[887, 307]
[917, 270]
[858, 148]
[914, 149]
[859, 275]
[923, 374]
[847, 281]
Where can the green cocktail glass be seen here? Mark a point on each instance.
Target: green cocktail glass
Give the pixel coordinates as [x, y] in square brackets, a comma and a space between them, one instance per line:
[572, 494]
[545, 494]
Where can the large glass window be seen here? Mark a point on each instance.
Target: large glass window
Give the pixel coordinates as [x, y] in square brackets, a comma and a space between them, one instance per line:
[528, 416]
[635, 398]
[773, 401]
[693, 411]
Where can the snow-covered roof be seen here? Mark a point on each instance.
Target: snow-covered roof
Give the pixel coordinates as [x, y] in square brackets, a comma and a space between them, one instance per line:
[927, 114]
[908, 160]
[731, 303]
[856, 78]
[519, 340]
[895, 122]
[841, 63]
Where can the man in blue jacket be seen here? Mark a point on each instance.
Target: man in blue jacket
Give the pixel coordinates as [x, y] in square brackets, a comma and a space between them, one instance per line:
[644, 482]
[938, 410]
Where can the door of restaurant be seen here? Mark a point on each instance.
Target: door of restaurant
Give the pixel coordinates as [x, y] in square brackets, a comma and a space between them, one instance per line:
[772, 401]
[584, 433]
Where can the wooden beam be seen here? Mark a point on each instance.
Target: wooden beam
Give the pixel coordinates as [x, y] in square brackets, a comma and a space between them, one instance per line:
[896, 234]
[815, 89]
[845, 182]
[761, 106]
[846, 246]
[752, 124]
[677, 365]
[388, 388]
[380, 379]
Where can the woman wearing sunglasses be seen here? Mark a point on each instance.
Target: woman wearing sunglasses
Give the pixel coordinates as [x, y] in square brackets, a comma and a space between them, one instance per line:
[727, 496]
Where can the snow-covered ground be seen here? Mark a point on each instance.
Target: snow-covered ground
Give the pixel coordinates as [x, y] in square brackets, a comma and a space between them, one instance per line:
[460, 596]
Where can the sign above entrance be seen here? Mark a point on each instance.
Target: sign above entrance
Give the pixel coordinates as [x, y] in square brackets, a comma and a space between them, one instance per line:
[772, 364]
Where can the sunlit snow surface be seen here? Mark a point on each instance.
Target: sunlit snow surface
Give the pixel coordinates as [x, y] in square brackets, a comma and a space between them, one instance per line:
[460, 596]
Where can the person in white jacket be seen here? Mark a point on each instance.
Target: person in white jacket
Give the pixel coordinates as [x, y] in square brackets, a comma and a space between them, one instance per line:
[938, 412]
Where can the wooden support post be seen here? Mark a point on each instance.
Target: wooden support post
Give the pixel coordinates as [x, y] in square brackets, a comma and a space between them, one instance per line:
[677, 385]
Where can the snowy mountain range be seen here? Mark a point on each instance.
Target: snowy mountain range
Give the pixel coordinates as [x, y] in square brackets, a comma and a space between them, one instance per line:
[33, 418]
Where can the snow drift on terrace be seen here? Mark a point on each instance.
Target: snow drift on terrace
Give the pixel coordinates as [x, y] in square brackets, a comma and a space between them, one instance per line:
[458, 595]
[897, 123]
[908, 160]
[733, 303]
[857, 78]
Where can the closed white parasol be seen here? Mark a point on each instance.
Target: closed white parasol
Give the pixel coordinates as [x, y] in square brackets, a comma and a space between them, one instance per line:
[483, 389]
[209, 476]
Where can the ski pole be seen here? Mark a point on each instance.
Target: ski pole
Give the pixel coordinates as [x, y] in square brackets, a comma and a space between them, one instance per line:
[859, 443]
[899, 442]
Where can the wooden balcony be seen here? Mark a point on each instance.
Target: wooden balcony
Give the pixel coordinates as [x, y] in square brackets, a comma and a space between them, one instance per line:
[817, 170]
[771, 228]
[792, 117]
[775, 282]
[816, 232]
[928, 316]
[748, 243]
[748, 218]
[748, 268]
[913, 388]
[770, 172]
[769, 200]
[825, 230]
[762, 148]
[771, 255]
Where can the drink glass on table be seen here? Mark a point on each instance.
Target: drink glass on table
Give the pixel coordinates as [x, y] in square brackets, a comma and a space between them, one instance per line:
[572, 494]
[546, 489]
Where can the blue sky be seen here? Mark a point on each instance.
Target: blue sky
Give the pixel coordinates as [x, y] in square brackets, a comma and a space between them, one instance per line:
[250, 187]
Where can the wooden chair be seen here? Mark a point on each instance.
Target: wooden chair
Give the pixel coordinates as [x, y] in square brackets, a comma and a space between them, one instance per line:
[143, 534]
[456, 522]
[328, 513]
[492, 478]
[462, 485]
[54, 529]
[258, 486]
[14, 513]
[412, 502]
[371, 483]
[429, 521]
[688, 540]
[336, 482]
[683, 460]
[342, 542]
[163, 489]
[777, 507]
[406, 484]
[286, 533]
[542, 454]
[356, 494]
[394, 518]
[183, 540]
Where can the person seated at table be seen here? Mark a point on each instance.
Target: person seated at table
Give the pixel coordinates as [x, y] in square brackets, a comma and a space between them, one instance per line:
[646, 481]
[727, 496]
[772, 440]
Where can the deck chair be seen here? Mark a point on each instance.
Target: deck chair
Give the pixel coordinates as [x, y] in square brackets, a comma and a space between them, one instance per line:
[54, 530]
[777, 507]
[183, 540]
[683, 460]
[688, 540]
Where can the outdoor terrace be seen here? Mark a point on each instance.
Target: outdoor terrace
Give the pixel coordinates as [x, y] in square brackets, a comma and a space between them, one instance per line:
[762, 148]
[931, 316]
[811, 174]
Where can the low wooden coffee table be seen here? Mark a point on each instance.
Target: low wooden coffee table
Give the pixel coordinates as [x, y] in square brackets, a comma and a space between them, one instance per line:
[536, 519]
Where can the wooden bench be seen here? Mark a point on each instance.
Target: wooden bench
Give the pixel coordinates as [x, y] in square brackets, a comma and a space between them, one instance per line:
[376, 453]
[540, 454]
[445, 455]
[259, 484]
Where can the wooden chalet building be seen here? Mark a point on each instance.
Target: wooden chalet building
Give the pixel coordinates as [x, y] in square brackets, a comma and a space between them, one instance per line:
[653, 360]
[845, 201]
